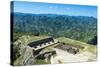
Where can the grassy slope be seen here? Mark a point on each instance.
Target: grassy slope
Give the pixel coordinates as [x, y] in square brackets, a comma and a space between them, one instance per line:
[88, 47]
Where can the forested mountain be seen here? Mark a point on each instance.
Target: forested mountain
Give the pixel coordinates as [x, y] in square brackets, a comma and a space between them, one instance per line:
[81, 28]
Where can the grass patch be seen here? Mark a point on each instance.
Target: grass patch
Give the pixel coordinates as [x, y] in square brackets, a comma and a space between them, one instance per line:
[87, 47]
[40, 61]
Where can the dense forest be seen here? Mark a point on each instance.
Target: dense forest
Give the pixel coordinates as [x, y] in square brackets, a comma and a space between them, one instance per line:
[82, 28]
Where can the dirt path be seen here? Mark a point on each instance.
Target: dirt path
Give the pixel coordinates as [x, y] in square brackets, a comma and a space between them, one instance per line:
[65, 57]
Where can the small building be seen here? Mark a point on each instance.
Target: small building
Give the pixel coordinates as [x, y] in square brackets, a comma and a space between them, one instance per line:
[36, 45]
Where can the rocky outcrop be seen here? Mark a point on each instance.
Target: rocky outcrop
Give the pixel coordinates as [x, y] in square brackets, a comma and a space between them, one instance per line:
[27, 55]
[46, 55]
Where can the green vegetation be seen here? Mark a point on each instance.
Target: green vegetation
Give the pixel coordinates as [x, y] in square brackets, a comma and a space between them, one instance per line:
[16, 35]
[93, 40]
[80, 28]
[40, 61]
[87, 47]
[60, 61]
[15, 53]
[72, 30]
[22, 39]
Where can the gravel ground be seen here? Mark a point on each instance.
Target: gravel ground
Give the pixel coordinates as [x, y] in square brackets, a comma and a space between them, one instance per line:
[65, 57]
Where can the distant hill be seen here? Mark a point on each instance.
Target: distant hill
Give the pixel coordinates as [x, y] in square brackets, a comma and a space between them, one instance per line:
[81, 28]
